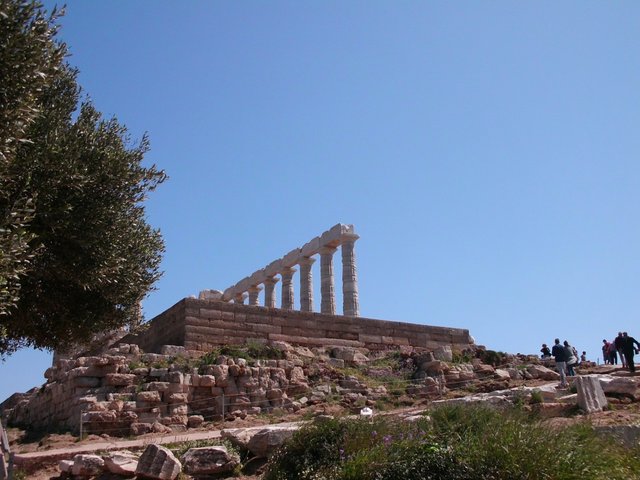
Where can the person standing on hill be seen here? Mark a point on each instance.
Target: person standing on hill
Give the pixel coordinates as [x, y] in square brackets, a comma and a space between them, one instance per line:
[619, 344]
[629, 350]
[571, 358]
[561, 362]
[605, 351]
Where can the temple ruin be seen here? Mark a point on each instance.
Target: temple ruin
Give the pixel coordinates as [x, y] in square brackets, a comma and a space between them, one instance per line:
[325, 245]
[220, 318]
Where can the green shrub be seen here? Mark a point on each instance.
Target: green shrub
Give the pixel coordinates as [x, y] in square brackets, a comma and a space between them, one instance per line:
[536, 397]
[458, 442]
[491, 357]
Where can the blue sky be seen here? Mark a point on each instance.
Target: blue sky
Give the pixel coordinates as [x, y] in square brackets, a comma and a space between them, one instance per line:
[486, 152]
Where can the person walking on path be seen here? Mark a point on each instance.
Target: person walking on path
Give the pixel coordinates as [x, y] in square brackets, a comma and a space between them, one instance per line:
[561, 362]
[629, 350]
[619, 344]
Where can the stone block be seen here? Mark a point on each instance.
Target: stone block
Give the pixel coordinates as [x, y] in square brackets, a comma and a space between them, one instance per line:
[590, 394]
[209, 461]
[149, 397]
[158, 463]
[87, 465]
[86, 382]
[173, 350]
[195, 421]
[158, 386]
[122, 463]
[119, 379]
[207, 381]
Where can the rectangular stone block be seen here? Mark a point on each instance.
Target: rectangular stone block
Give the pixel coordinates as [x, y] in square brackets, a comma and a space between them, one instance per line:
[370, 338]
[209, 313]
[315, 341]
[256, 327]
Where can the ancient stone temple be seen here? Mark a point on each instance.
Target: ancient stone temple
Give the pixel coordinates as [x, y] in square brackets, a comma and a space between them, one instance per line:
[339, 236]
[219, 318]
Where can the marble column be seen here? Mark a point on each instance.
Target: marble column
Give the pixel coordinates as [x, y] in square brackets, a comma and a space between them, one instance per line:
[306, 284]
[254, 292]
[350, 305]
[287, 288]
[239, 298]
[269, 289]
[328, 301]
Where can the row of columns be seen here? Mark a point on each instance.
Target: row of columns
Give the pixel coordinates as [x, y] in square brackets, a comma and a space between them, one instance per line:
[346, 241]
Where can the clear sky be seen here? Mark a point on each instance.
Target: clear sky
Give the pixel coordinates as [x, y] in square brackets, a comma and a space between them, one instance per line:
[486, 152]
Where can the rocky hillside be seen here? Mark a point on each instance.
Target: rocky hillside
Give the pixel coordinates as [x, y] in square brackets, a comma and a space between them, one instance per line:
[126, 392]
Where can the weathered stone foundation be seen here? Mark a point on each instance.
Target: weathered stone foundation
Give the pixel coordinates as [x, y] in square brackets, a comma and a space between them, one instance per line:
[205, 324]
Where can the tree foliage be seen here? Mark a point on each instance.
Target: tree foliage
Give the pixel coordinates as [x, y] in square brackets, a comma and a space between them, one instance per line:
[29, 60]
[87, 256]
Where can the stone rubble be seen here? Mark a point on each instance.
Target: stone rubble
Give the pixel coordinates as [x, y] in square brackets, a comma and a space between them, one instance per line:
[158, 463]
[209, 461]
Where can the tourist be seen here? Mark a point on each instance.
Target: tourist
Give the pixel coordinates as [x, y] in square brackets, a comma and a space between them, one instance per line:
[583, 357]
[629, 350]
[613, 354]
[561, 362]
[619, 344]
[571, 358]
[605, 351]
[546, 353]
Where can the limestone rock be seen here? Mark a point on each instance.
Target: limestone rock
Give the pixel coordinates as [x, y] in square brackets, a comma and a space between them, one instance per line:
[158, 463]
[239, 437]
[173, 350]
[267, 440]
[434, 367]
[349, 355]
[119, 379]
[443, 353]
[157, 427]
[590, 394]
[539, 371]
[208, 461]
[64, 466]
[140, 428]
[150, 397]
[194, 421]
[626, 386]
[121, 463]
[87, 465]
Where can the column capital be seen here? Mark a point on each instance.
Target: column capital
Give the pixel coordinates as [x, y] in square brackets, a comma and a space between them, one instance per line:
[327, 250]
[349, 237]
[254, 289]
[306, 261]
[271, 280]
[287, 271]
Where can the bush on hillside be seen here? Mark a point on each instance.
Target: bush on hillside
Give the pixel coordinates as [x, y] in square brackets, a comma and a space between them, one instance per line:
[455, 443]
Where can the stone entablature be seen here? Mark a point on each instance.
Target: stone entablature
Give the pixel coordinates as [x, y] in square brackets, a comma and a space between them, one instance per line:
[205, 324]
[325, 246]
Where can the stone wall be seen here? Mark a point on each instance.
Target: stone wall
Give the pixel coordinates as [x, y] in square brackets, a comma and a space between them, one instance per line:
[127, 392]
[205, 324]
[168, 328]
